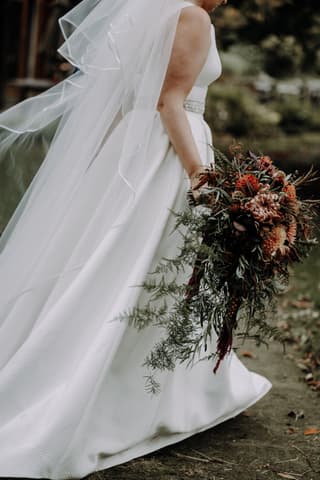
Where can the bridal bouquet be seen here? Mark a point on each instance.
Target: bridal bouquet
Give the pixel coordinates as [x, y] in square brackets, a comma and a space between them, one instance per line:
[240, 235]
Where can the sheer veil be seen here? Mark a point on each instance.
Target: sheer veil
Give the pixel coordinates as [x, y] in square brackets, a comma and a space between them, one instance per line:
[120, 49]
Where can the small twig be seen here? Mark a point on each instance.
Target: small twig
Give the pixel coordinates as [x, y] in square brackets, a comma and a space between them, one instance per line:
[286, 461]
[306, 471]
[189, 457]
[213, 459]
[306, 457]
[293, 474]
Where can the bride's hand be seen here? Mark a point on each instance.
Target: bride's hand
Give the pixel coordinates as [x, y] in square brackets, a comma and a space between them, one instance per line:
[198, 179]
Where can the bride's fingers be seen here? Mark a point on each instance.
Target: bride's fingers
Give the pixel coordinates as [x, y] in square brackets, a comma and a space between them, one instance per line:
[199, 179]
[198, 183]
[194, 194]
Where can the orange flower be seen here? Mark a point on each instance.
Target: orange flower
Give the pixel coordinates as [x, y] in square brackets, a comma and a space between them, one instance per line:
[248, 184]
[290, 191]
[292, 232]
[291, 197]
[274, 242]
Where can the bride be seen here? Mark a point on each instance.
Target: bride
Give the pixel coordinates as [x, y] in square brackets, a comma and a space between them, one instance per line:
[121, 140]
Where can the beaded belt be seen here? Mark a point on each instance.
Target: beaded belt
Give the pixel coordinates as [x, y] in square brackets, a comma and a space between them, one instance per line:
[194, 106]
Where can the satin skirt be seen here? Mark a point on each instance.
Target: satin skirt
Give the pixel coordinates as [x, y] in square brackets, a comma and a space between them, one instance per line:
[72, 387]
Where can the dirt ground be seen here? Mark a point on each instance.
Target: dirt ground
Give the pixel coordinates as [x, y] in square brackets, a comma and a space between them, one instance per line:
[277, 438]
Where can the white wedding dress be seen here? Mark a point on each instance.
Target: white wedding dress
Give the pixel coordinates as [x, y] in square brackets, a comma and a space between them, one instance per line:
[72, 386]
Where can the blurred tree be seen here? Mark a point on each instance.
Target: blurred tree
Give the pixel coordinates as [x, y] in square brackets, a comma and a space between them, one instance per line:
[284, 55]
[254, 21]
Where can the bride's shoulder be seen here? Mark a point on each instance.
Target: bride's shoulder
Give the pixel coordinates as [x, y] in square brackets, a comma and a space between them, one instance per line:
[195, 17]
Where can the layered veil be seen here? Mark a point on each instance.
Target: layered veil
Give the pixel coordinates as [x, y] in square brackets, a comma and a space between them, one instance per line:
[120, 50]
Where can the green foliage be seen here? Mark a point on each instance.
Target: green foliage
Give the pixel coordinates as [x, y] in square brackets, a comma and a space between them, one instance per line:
[236, 110]
[294, 28]
[242, 59]
[283, 55]
[297, 116]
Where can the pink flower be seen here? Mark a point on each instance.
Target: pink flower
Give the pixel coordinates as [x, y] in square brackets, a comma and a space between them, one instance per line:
[264, 207]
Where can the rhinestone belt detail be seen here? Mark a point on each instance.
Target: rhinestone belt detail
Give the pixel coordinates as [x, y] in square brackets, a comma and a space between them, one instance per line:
[194, 106]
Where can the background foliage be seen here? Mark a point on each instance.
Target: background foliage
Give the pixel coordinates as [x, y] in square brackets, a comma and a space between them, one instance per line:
[287, 31]
[270, 87]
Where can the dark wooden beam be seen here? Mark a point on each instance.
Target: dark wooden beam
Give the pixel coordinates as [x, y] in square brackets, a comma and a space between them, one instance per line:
[24, 33]
[3, 50]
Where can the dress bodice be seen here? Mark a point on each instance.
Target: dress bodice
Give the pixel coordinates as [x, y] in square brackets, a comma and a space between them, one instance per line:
[212, 67]
[210, 72]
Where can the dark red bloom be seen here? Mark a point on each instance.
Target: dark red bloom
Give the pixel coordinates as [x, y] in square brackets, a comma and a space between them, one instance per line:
[265, 163]
[249, 184]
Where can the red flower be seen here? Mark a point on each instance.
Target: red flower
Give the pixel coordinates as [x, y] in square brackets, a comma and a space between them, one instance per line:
[265, 163]
[248, 184]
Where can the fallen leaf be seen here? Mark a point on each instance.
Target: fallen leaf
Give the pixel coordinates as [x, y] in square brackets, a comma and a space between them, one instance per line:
[308, 360]
[289, 476]
[247, 354]
[315, 388]
[291, 431]
[314, 383]
[311, 431]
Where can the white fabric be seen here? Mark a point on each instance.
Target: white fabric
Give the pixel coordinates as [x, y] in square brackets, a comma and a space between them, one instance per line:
[121, 49]
[72, 396]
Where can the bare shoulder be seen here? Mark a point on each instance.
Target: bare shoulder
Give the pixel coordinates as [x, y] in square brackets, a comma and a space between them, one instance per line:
[195, 18]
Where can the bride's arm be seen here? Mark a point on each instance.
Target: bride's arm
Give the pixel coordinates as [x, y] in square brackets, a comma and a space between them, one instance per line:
[189, 53]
